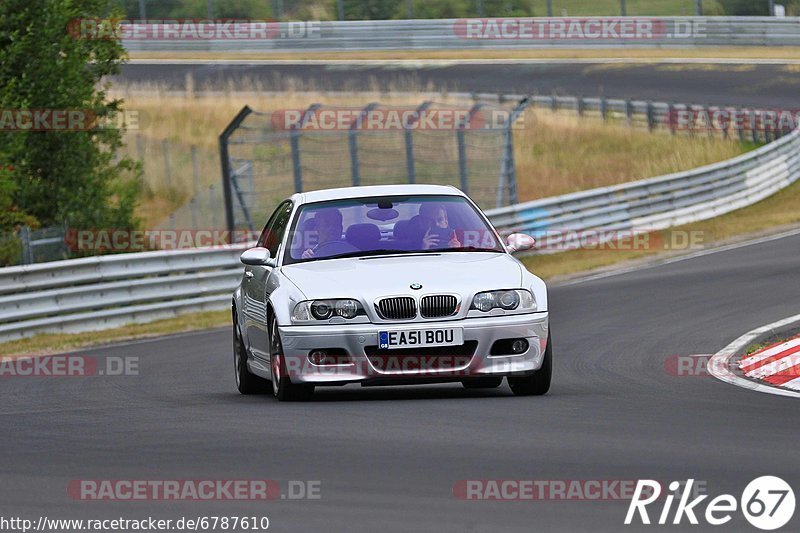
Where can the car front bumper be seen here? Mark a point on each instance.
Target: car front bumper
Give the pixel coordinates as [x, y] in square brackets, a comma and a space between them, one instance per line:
[364, 365]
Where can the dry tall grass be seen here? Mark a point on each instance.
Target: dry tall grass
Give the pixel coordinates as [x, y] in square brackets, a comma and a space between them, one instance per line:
[555, 152]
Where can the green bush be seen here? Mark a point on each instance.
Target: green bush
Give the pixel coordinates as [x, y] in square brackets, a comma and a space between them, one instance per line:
[745, 7]
[61, 176]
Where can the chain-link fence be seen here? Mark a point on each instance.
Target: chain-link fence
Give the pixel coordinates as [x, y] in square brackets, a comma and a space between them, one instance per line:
[27, 246]
[267, 156]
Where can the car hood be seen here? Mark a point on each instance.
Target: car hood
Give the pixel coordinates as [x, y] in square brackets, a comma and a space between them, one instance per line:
[370, 277]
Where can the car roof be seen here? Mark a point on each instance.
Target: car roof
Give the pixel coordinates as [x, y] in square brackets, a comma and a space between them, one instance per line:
[375, 190]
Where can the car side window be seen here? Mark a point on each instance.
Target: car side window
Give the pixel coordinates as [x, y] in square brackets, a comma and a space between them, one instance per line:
[276, 228]
[262, 239]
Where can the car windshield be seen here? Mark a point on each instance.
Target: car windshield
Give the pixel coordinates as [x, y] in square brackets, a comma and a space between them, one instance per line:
[388, 225]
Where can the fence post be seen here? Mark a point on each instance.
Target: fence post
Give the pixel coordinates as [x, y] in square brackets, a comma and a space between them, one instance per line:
[411, 167]
[740, 125]
[352, 139]
[753, 123]
[463, 176]
[671, 117]
[629, 112]
[579, 106]
[294, 141]
[651, 122]
[224, 158]
[622, 9]
[195, 186]
[726, 122]
[549, 8]
[553, 103]
[140, 147]
[604, 108]
[167, 166]
[508, 171]
[211, 206]
[27, 249]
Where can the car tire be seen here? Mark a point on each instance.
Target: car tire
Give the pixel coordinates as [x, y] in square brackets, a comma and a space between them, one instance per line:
[246, 382]
[483, 383]
[537, 383]
[282, 387]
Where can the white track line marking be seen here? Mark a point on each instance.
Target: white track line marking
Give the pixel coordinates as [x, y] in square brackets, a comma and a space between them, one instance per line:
[718, 365]
[775, 367]
[760, 356]
[794, 384]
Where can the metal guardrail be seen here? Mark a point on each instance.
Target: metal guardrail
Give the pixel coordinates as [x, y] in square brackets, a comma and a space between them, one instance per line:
[665, 201]
[438, 34]
[107, 291]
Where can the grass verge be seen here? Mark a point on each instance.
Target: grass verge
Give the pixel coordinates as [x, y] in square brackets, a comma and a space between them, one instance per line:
[50, 343]
[777, 211]
[556, 153]
[771, 341]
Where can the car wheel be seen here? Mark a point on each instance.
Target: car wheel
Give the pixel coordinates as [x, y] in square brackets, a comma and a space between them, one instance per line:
[537, 383]
[282, 387]
[246, 382]
[483, 383]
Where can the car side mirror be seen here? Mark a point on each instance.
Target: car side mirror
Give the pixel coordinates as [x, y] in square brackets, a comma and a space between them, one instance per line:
[257, 257]
[518, 242]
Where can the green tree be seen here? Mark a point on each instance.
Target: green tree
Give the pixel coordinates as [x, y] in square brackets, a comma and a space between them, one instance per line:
[745, 7]
[371, 9]
[61, 176]
[508, 8]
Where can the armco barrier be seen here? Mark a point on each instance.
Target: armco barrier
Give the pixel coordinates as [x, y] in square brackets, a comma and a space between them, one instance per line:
[101, 292]
[108, 291]
[441, 34]
[665, 201]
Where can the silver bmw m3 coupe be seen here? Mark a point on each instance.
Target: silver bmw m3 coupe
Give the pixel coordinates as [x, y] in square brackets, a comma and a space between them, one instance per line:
[387, 285]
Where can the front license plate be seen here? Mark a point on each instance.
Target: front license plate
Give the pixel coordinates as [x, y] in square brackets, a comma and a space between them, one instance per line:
[420, 338]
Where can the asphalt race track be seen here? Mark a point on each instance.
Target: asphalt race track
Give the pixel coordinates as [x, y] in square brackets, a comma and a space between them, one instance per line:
[765, 85]
[388, 458]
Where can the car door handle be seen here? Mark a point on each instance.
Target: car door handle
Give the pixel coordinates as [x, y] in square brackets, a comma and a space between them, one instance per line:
[248, 275]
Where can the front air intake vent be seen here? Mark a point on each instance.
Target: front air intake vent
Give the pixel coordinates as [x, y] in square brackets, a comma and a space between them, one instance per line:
[438, 306]
[397, 308]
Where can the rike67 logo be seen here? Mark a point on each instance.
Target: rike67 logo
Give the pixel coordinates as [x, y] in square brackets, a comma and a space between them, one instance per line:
[767, 503]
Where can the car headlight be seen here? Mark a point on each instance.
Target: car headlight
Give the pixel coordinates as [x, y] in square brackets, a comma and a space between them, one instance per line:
[311, 310]
[509, 300]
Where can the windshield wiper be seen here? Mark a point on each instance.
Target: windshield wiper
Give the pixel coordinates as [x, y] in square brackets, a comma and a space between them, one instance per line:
[464, 249]
[368, 253]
